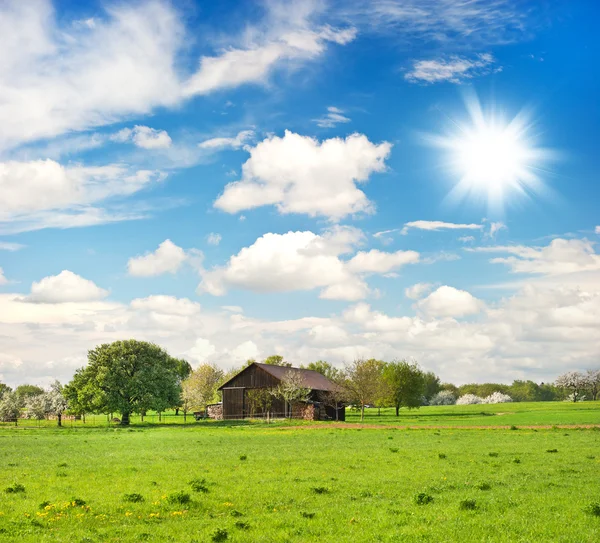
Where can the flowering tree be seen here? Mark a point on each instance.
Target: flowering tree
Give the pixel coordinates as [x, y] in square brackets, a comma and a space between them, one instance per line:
[575, 382]
[200, 388]
[292, 389]
[593, 383]
[468, 399]
[36, 407]
[10, 408]
[56, 401]
[444, 397]
[497, 397]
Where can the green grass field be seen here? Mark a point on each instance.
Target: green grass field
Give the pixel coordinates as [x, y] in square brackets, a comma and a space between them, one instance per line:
[254, 482]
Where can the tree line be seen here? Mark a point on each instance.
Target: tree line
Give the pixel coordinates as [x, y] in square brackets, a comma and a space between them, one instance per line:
[130, 376]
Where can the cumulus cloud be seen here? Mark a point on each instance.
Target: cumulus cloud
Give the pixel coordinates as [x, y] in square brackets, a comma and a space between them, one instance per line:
[597, 230]
[235, 142]
[333, 117]
[213, 238]
[144, 137]
[286, 262]
[449, 302]
[453, 69]
[65, 287]
[438, 225]
[201, 351]
[167, 305]
[168, 258]
[43, 193]
[3, 279]
[299, 174]
[417, 290]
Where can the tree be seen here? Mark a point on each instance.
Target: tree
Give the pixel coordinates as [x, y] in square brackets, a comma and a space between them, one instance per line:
[183, 371]
[36, 407]
[56, 401]
[126, 377]
[10, 407]
[405, 383]
[200, 388]
[573, 381]
[291, 390]
[325, 368]
[276, 360]
[432, 385]
[592, 378]
[260, 400]
[364, 382]
[24, 392]
[4, 389]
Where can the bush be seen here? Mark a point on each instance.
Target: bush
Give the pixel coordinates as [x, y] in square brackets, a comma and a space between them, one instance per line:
[220, 535]
[593, 509]
[468, 505]
[133, 498]
[243, 457]
[445, 397]
[497, 397]
[441, 456]
[15, 489]
[320, 490]
[199, 485]
[469, 399]
[422, 498]
[180, 498]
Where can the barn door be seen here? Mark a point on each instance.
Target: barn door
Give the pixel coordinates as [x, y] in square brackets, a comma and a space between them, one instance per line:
[233, 403]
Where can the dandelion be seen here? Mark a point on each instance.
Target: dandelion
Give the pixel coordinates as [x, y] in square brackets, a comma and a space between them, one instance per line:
[154, 515]
[128, 513]
[228, 504]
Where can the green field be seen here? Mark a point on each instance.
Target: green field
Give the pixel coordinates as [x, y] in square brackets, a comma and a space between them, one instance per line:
[296, 483]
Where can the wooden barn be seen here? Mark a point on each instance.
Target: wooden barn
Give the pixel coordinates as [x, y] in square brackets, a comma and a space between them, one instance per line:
[241, 392]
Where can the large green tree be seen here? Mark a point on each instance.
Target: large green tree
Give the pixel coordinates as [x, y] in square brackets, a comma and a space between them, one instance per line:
[325, 368]
[276, 360]
[25, 392]
[432, 385]
[405, 384]
[126, 377]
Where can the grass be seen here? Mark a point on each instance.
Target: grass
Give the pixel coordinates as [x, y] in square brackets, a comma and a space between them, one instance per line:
[298, 484]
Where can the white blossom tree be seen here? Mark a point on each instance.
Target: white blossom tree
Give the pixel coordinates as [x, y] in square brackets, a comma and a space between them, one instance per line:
[56, 401]
[575, 382]
[292, 389]
[444, 397]
[10, 408]
[593, 383]
[469, 399]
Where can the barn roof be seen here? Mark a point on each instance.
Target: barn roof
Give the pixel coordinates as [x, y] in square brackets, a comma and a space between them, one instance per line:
[312, 379]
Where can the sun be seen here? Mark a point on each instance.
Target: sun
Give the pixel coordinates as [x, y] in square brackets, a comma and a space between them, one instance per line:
[493, 159]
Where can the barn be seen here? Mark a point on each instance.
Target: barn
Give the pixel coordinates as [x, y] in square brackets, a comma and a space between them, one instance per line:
[240, 394]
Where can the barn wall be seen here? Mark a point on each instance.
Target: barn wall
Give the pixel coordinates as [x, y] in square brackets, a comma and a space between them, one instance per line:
[233, 403]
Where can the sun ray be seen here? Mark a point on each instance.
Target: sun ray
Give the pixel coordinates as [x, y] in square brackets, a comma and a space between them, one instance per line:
[493, 159]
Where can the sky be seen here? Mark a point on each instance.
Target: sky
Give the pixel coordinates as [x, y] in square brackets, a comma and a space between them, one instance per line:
[391, 179]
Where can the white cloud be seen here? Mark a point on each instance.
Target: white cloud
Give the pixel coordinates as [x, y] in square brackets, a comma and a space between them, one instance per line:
[235, 142]
[213, 238]
[454, 69]
[59, 76]
[252, 63]
[286, 262]
[333, 117]
[418, 290]
[438, 225]
[299, 174]
[3, 279]
[560, 257]
[449, 302]
[144, 137]
[477, 22]
[65, 287]
[167, 305]
[8, 246]
[201, 351]
[44, 193]
[168, 258]
[495, 227]
[375, 261]
[597, 230]
[244, 351]
[467, 239]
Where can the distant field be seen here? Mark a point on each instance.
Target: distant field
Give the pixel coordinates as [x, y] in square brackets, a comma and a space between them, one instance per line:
[507, 414]
[259, 483]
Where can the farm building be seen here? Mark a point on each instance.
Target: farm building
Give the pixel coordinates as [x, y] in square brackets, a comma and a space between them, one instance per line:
[243, 394]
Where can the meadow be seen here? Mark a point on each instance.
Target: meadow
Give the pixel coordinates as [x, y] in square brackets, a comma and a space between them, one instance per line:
[248, 482]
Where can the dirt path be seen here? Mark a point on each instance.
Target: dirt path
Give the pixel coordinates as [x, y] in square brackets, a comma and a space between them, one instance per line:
[360, 426]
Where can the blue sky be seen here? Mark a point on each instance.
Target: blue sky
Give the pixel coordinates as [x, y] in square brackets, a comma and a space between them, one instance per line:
[236, 179]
